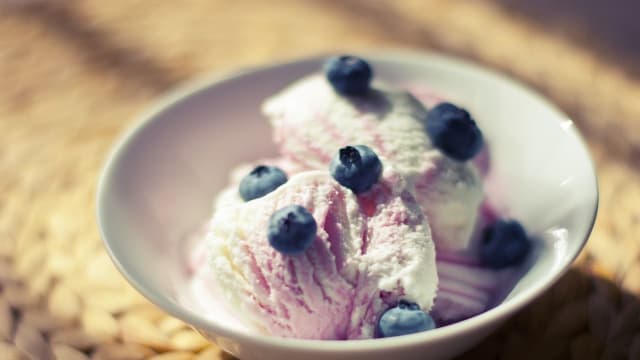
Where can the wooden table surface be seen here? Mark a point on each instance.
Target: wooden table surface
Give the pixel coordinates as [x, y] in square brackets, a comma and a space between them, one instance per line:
[73, 74]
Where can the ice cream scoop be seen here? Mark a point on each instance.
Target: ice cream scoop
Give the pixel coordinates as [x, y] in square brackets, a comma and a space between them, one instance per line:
[370, 252]
[311, 122]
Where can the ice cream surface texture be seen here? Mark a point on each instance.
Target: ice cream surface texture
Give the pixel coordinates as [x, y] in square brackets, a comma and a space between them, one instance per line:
[311, 122]
[362, 226]
[370, 251]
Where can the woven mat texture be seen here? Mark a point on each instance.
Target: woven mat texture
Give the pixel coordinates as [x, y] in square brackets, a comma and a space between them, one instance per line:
[74, 73]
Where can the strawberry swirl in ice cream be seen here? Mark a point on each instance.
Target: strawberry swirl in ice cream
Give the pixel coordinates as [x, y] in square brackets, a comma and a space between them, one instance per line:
[372, 222]
[369, 252]
[311, 121]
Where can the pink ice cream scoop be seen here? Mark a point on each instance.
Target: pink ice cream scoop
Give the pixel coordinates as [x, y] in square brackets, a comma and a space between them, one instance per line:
[370, 251]
[311, 122]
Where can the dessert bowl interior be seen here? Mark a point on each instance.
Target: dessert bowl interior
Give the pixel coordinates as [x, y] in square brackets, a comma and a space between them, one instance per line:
[159, 183]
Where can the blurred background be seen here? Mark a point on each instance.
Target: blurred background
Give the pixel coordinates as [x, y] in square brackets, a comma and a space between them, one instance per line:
[74, 73]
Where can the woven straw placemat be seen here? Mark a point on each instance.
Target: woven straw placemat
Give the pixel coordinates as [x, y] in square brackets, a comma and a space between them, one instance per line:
[74, 73]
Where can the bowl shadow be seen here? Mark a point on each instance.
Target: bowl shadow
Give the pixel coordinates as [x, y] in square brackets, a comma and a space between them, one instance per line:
[583, 316]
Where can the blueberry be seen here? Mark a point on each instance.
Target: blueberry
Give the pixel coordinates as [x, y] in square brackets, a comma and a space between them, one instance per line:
[261, 181]
[291, 230]
[356, 167]
[349, 75]
[504, 244]
[406, 318]
[453, 131]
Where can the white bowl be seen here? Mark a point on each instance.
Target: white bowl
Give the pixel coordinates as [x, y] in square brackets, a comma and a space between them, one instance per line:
[158, 184]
